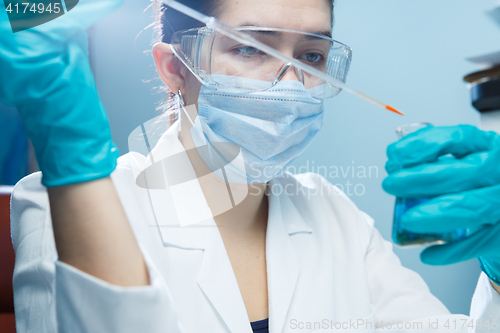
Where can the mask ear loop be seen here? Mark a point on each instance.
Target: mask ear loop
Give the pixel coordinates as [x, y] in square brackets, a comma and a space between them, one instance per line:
[182, 105]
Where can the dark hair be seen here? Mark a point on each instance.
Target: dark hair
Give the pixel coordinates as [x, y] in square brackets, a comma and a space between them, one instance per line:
[172, 21]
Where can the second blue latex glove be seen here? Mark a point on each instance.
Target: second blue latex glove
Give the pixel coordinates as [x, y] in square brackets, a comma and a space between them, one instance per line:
[45, 73]
[465, 188]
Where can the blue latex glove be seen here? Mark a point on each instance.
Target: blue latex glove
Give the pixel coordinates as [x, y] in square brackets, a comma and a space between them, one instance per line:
[45, 73]
[465, 189]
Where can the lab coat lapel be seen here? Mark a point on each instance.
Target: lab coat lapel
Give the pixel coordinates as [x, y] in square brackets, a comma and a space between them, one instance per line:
[218, 282]
[283, 264]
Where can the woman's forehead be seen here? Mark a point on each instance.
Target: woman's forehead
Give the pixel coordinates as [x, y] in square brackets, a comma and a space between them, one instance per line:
[302, 15]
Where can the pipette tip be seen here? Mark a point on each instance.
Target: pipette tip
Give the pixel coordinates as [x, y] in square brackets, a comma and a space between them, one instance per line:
[390, 108]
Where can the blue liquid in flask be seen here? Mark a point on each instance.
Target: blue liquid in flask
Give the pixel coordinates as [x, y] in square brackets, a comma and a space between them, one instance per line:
[403, 237]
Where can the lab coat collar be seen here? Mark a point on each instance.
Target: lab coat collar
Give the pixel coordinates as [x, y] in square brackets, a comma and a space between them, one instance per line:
[216, 278]
[290, 215]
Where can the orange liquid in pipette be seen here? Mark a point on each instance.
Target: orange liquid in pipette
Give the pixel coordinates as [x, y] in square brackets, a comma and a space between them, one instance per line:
[390, 108]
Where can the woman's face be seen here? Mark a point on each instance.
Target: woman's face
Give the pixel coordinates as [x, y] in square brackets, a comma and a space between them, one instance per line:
[302, 15]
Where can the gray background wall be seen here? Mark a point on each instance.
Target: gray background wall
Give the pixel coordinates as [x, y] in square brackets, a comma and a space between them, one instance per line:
[408, 53]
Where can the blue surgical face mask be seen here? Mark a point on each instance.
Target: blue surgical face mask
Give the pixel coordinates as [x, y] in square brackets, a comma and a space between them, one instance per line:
[269, 129]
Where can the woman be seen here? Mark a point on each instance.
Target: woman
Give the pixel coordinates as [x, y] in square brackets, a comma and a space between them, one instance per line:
[136, 252]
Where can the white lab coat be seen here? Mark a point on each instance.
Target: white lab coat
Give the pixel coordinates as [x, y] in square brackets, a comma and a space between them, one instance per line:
[328, 268]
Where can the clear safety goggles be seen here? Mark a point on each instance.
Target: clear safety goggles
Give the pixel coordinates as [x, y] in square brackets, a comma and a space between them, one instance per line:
[213, 57]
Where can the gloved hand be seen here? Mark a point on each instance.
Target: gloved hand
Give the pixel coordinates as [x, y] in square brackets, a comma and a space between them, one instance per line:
[45, 73]
[465, 188]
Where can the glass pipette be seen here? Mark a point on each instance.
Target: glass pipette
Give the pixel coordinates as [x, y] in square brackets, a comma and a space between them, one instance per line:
[213, 23]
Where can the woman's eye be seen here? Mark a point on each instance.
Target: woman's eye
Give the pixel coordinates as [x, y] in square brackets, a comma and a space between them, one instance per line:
[247, 50]
[312, 57]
